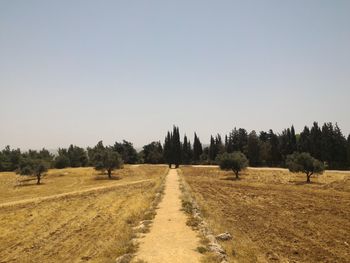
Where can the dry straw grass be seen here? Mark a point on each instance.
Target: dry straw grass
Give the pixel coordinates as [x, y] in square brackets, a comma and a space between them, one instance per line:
[94, 226]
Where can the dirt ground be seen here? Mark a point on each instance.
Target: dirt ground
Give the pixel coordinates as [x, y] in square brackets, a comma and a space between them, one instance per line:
[76, 215]
[274, 216]
[170, 239]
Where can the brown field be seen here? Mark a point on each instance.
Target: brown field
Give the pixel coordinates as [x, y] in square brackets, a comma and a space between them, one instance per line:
[76, 215]
[274, 216]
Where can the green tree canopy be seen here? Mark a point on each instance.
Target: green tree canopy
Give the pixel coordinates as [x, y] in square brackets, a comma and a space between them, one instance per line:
[235, 161]
[107, 159]
[126, 151]
[153, 153]
[30, 166]
[305, 163]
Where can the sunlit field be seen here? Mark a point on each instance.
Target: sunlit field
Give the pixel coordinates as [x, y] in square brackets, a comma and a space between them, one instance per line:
[75, 215]
[274, 216]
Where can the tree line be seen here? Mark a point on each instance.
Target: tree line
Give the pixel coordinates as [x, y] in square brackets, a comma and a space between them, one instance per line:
[266, 148]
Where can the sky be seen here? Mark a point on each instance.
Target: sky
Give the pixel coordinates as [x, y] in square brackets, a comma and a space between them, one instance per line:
[83, 71]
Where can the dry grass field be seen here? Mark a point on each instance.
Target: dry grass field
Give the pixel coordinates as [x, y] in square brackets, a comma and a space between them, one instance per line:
[76, 215]
[274, 216]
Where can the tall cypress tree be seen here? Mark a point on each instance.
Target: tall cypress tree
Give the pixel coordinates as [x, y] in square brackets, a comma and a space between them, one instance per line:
[293, 140]
[186, 151]
[242, 140]
[304, 144]
[316, 141]
[253, 149]
[176, 146]
[197, 148]
[275, 158]
[339, 153]
[168, 149]
[212, 148]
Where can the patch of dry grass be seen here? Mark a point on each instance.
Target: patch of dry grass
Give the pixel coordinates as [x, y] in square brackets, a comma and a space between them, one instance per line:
[58, 181]
[94, 226]
[274, 216]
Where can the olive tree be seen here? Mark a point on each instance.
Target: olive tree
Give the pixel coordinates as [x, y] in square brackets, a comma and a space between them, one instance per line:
[32, 167]
[305, 163]
[235, 161]
[107, 160]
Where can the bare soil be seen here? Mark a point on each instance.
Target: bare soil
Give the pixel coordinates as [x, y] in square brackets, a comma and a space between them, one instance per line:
[274, 216]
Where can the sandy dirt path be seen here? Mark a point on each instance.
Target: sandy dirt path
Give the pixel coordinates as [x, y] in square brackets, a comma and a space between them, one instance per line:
[170, 239]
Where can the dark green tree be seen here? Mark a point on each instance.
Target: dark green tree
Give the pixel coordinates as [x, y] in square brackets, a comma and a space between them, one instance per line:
[235, 161]
[176, 147]
[293, 140]
[186, 151]
[197, 149]
[304, 162]
[9, 159]
[287, 142]
[316, 141]
[216, 147]
[92, 151]
[153, 153]
[30, 166]
[77, 156]
[107, 160]
[274, 158]
[212, 149]
[61, 161]
[304, 143]
[253, 149]
[172, 148]
[126, 151]
[168, 149]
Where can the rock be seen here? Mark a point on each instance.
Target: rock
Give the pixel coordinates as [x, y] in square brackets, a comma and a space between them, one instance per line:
[224, 236]
[216, 248]
[203, 224]
[141, 227]
[124, 258]
[134, 241]
[146, 222]
[197, 215]
[211, 238]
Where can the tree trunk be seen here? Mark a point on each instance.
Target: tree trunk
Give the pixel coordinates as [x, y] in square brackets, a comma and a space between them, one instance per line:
[236, 173]
[109, 173]
[308, 175]
[177, 165]
[169, 165]
[38, 177]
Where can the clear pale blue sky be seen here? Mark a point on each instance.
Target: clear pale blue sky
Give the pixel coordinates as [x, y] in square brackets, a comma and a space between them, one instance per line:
[81, 71]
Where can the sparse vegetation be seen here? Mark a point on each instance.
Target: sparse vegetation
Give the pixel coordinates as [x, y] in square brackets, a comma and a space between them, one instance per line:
[268, 217]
